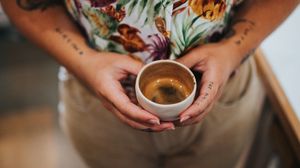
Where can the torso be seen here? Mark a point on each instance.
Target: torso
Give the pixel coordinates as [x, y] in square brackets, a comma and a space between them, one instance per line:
[150, 30]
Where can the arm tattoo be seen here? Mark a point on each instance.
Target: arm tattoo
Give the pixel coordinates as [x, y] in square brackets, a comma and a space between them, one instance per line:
[231, 32]
[37, 4]
[69, 41]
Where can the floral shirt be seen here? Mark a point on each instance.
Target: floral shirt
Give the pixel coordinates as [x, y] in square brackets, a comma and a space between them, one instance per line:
[150, 30]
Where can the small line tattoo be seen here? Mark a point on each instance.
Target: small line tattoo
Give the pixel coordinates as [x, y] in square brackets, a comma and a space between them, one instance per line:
[69, 41]
[246, 31]
[205, 96]
[238, 42]
[210, 85]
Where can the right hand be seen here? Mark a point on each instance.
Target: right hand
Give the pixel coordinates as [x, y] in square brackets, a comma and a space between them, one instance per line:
[102, 74]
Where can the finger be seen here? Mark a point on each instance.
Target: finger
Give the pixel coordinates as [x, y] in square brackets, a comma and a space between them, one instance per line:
[131, 66]
[144, 126]
[123, 118]
[130, 122]
[141, 126]
[208, 92]
[195, 119]
[115, 94]
[189, 60]
[200, 117]
[163, 127]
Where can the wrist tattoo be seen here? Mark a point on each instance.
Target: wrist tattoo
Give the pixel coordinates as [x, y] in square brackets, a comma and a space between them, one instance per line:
[37, 4]
[69, 41]
[231, 32]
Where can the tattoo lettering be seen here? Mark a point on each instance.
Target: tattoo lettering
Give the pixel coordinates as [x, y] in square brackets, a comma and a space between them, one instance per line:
[37, 4]
[210, 85]
[69, 41]
[205, 96]
[246, 31]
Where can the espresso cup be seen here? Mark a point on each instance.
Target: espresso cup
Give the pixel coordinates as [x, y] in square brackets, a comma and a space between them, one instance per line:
[165, 88]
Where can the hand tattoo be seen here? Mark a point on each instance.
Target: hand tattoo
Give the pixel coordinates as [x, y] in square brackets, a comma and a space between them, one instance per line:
[37, 4]
[205, 96]
[210, 85]
[69, 41]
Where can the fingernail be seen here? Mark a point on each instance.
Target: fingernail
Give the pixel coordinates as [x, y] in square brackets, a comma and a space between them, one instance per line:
[154, 122]
[184, 118]
[171, 128]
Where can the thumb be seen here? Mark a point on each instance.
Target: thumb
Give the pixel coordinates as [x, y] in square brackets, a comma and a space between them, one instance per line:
[132, 66]
[187, 60]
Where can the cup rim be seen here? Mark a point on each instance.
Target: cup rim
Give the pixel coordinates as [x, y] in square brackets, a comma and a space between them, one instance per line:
[165, 61]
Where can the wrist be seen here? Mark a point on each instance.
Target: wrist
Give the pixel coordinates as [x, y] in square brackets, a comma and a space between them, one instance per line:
[238, 53]
[242, 39]
[80, 65]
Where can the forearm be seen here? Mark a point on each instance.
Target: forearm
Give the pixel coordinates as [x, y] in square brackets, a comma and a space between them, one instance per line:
[52, 30]
[254, 21]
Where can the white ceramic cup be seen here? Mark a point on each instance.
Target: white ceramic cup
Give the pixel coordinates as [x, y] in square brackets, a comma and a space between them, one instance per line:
[165, 68]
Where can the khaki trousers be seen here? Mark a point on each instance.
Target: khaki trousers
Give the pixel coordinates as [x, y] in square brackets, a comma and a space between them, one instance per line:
[104, 142]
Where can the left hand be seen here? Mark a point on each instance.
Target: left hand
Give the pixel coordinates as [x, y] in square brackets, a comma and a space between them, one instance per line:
[216, 62]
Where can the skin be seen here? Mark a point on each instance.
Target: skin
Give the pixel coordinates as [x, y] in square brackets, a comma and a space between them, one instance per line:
[52, 29]
[253, 23]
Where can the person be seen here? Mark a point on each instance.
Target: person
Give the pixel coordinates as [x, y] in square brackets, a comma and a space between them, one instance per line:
[107, 42]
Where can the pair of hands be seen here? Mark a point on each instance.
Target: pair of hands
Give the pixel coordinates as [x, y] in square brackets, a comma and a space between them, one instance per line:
[103, 74]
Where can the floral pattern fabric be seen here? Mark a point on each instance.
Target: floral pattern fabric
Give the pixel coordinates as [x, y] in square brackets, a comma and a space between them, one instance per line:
[150, 30]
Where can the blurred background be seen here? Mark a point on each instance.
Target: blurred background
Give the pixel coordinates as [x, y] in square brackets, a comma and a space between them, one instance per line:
[29, 132]
[30, 136]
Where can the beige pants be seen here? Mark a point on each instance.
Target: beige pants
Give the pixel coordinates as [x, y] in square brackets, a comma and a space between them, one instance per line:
[104, 142]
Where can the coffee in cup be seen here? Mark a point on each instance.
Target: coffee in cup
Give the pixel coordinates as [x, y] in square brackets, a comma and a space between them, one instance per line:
[165, 88]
